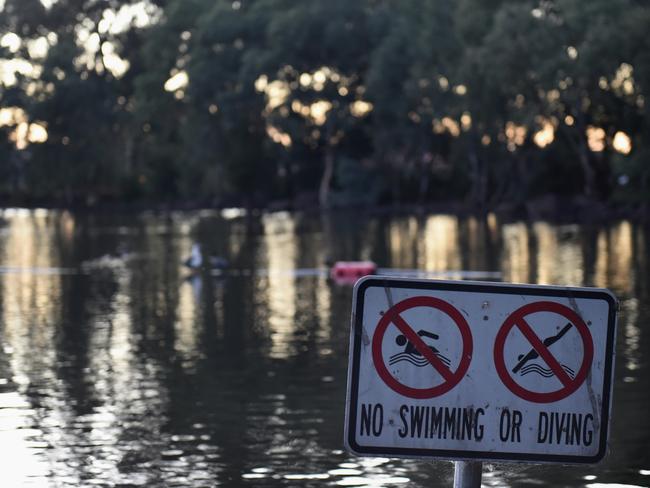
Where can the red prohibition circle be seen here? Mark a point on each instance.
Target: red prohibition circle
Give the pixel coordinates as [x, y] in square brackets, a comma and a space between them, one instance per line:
[392, 316]
[517, 319]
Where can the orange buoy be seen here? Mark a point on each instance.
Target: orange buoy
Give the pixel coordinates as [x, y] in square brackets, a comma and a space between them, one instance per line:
[348, 272]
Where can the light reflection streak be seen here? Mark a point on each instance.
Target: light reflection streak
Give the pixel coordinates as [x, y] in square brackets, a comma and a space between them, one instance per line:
[546, 251]
[324, 313]
[314, 292]
[441, 243]
[403, 236]
[631, 336]
[475, 244]
[614, 262]
[376, 481]
[187, 309]
[559, 261]
[28, 306]
[621, 271]
[601, 263]
[26, 467]
[611, 485]
[367, 243]
[516, 259]
[281, 252]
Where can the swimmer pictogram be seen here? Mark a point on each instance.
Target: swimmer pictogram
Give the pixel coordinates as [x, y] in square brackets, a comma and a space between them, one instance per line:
[416, 351]
[411, 354]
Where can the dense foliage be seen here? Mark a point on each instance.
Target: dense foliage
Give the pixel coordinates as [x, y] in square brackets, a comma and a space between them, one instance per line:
[338, 102]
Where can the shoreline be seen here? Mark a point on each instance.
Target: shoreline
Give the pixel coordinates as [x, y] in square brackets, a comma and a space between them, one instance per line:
[552, 208]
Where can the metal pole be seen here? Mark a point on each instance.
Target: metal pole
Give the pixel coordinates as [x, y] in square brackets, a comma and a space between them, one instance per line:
[467, 474]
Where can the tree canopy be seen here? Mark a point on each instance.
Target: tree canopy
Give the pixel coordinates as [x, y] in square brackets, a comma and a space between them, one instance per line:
[248, 102]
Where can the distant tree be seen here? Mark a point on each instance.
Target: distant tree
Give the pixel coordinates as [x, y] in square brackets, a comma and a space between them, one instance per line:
[547, 65]
[410, 83]
[222, 102]
[79, 96]
[160, 108]
[228, 137]
[315, 61]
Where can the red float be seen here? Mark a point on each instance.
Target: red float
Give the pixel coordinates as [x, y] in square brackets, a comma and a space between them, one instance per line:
[348, 272]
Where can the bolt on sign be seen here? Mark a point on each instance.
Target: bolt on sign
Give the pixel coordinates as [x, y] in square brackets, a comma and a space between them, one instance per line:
[484, 371]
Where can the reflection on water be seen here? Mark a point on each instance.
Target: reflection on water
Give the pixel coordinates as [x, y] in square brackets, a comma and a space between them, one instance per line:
[440, 241]
[279, 288]
[120, 368]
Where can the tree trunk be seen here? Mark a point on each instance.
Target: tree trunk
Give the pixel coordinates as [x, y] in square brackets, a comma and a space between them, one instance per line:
[425, 163]
[590, 178]
[424, 183]
[584, 156]
[478, 175]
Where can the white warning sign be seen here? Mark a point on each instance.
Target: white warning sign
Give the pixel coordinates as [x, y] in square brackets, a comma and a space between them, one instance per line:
[466, 370]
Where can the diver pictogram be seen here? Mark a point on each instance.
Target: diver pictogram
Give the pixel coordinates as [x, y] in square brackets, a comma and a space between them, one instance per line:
[523, 368]
[554, 366]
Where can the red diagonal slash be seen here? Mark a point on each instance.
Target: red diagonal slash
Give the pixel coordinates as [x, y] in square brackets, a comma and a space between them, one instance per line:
[422, 347]
[543, 351]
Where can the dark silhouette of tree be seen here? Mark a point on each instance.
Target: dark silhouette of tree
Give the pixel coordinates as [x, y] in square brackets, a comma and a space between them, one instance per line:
[247, 102]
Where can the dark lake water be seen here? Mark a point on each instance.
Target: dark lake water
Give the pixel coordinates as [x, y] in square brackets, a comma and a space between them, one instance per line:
[119, 369]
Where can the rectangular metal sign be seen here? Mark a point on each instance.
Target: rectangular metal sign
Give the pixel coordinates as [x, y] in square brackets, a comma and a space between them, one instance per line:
[489, 371]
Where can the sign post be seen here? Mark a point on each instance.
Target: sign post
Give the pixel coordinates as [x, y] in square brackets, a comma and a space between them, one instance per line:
[474, 371]
[467, 474]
